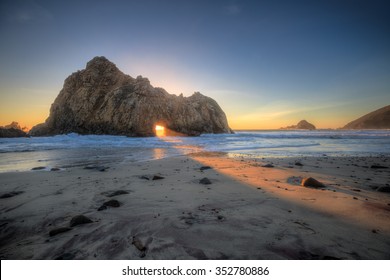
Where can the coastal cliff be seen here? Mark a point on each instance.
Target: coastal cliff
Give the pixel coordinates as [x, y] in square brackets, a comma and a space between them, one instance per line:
[102, 100]
[378, 119]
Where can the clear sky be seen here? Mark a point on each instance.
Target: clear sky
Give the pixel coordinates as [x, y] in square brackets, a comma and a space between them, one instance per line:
[267, 63]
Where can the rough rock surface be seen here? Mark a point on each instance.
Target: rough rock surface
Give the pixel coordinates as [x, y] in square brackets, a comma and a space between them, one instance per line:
[102, 100]
[379, 119]
[303, 124]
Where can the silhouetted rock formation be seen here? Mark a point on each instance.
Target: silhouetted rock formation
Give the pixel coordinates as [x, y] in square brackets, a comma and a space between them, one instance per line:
[12, 130]
[301, 125]
[102, 100]
[379, 119]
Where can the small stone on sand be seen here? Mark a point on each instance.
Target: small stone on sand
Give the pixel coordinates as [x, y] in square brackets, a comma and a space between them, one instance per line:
[138, 244]
[268, 165]
[38, 168]
[377, 166]
[59, 230]
[385, 189]
[205, 181]
[79, 220]
[204, 168]
[157, 177]
[311, 182]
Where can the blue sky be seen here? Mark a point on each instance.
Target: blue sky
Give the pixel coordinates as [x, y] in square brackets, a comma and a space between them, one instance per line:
[267, 63]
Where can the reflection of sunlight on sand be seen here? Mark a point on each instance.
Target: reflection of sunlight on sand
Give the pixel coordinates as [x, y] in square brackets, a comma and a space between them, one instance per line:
[274, 182]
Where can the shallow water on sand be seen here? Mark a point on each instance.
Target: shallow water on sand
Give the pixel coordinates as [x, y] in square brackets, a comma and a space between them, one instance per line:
[20, 154]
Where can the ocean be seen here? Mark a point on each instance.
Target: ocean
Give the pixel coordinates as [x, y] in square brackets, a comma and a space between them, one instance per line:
[63, 151]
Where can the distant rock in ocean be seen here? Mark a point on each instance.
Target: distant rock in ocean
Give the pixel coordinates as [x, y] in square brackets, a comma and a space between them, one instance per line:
[379, 119]
[303, 124]
[102, 100]
[12, 130]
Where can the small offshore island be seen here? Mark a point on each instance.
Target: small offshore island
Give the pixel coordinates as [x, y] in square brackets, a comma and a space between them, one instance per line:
[212, 197]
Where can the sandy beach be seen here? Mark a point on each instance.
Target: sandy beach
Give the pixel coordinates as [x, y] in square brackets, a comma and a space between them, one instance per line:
[199, 206]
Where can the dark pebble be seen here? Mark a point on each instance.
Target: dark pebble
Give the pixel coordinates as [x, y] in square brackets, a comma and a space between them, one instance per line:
[144, 177]
[268, 165]
[55, 169]
[59, 230]
[110, 203]
[205, 181]
[377, 166]
[157, 177]
[356, 190]
[205, 168]
[11, 194]
[385, 189]
[298, 164]
[311, 182]
[38, 168]
[96, 167]
[79, 220]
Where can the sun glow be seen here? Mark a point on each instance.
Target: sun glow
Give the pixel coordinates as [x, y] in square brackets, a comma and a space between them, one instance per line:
[160, 131]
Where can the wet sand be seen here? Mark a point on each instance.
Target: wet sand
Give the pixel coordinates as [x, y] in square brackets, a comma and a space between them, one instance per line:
[166, 209]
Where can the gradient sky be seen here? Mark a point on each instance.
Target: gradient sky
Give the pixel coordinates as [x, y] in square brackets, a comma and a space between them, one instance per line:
[267, 63]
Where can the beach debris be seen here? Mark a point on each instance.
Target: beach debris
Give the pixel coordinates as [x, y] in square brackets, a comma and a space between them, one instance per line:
[11, 194]
[110, 203]
[268, 165]
[114, 193]
[38, 168]
[312, 183]
[205, 181]
[59, 230]
[157, 177]
[202, 168]
[377, 166]
[55, 169]
[79, 220]
[298, 163]
[96, 167]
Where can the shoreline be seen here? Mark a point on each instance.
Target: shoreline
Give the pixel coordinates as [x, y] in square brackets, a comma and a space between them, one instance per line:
[247, 212]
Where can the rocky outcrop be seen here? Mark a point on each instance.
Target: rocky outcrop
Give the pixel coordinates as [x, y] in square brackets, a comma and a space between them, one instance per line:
[303, 124]
[379, 119]
[11, 131]
[102, 100]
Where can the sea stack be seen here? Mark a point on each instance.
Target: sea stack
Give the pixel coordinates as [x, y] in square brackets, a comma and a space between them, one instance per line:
[12, 130]
[379, 119]
[303, 124]
[102, 100]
